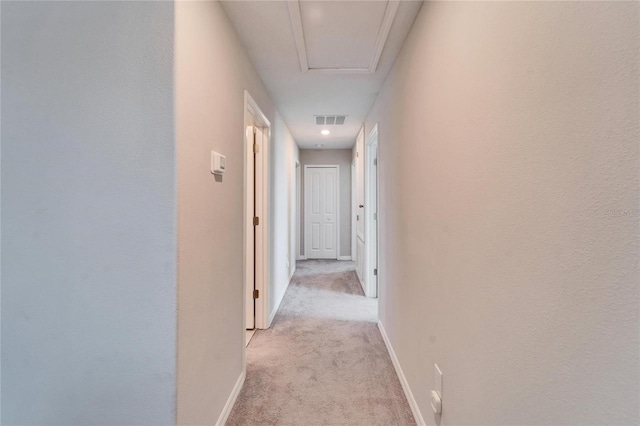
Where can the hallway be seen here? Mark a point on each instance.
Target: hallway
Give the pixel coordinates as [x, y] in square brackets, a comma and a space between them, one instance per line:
[477, 162]
[323, 361]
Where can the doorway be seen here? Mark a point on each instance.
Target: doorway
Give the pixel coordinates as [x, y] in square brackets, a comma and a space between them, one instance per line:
[371, 213]
[354, 211]
[299, 230]
[321, 212]
[257, 134]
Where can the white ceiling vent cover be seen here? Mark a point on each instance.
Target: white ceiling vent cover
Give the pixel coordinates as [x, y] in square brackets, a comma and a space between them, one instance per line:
[330, 120]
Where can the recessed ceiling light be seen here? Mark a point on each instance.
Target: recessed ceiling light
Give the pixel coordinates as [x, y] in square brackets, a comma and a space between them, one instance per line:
[325, 132]
[319, 145]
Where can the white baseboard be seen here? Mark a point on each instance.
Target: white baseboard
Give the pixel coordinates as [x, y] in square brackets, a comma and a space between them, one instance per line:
[417, 415]
[344, 257]
[301, 257]
[232, 399]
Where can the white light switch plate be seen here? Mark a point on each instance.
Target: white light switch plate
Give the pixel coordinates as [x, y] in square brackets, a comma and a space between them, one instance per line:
[218, 163]
[437, 380]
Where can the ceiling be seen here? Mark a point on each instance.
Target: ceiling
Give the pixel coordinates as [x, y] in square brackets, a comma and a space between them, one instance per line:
[323, 58]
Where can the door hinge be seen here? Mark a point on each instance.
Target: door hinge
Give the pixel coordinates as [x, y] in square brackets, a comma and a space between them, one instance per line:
[375, 216]
[375, 271]
[256, 294]
[256, 221]
[256, 148]
[375, 161]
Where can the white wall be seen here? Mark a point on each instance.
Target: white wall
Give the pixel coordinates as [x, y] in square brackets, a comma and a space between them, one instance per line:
[212, 71]
[509, 211]
[88, 213]
[283, 155]
[341, 157]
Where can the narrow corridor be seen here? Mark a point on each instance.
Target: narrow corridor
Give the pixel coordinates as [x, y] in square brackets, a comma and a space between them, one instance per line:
[164, 164]
[323, 361]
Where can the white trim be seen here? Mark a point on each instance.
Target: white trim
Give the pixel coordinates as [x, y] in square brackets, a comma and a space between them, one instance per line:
[307, 241]
[359, 257]
[339, 71]
[298, 34]
[383, 34]
[417, 415]
[248, 257]
[263, 285]
[354, 210]
[302, 257]
[299, 229]
[338, 212]
[253, 115]
[381, 40]
[344, 257]
[232, 398]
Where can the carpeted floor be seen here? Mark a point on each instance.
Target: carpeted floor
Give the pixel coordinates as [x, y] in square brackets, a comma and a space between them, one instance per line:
[323, 361]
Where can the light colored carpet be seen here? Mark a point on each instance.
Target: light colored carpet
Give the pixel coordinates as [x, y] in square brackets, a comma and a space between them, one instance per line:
[323, 361]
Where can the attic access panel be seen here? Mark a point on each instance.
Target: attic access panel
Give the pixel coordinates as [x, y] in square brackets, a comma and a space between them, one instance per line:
[341, 36]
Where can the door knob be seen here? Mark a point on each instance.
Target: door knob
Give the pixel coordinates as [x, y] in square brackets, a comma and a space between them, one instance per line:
[361, 206]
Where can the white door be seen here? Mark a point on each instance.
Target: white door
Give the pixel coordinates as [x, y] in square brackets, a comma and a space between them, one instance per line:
[250, 313]
[321, 212]
[354, 212]
[255, 204]
[360, 230]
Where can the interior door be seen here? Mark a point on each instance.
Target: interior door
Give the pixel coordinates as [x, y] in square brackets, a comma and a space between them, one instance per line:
[255, 199]
[250, 313]
[360, 232]
[321, 212]
[250, 237]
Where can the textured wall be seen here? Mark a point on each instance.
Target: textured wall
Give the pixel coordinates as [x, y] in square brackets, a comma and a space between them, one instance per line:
[283, 156]
[509, 211]
[88, 213]
[212, 71]
[341, 157]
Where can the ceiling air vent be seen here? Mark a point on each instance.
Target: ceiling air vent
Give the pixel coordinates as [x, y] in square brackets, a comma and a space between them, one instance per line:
[330, 120]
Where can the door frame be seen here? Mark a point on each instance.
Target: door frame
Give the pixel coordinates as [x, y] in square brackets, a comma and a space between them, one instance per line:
[295, 221]
[371, 225]
[359, 202]
[307, 240]
[299, 206]
[253, 116]
[354, 211]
